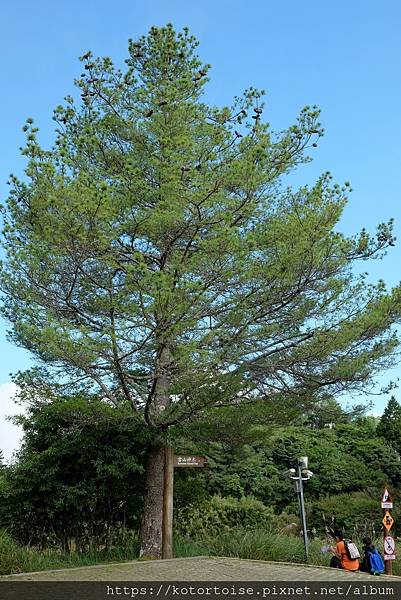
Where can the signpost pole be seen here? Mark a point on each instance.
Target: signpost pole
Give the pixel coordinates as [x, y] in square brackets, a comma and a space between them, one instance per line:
[388, 565]
[167, 539]
[389, 543]
[171, 461]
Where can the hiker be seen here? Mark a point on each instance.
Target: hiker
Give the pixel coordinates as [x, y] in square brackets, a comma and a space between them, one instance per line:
[346, 555]
[372, 561]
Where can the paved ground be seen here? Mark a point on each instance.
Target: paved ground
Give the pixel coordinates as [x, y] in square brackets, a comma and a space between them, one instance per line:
[198, 569]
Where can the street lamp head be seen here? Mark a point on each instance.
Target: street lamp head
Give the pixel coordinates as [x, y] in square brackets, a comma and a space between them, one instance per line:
[289, 472]
[303, 462]
[306, 473]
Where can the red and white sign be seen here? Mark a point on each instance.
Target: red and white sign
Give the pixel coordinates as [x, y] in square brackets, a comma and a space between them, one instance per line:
[386, 501]
[389, 545]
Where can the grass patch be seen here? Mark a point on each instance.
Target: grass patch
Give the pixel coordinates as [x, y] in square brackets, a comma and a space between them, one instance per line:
[183, 548]
[256, 545]
[17, 559]
[262, 545]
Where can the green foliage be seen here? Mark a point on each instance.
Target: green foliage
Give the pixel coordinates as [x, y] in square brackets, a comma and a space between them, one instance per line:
[358, 513]
[262, 545]
[328, 413]
[154, 254]
[255, 545]
[348, 461]
[212, 518]
[184, 547]
[18, 559]
[78, 476]
[189, 487]
[389, 426]
[81, 465]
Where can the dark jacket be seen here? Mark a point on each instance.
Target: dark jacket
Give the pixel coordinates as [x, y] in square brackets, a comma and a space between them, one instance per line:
[365, 564]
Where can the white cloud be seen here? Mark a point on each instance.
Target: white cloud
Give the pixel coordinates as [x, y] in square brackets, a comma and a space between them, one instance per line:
[10, 434]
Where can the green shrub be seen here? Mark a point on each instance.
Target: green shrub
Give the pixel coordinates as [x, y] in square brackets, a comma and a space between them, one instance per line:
[213, 517]
[359, 513]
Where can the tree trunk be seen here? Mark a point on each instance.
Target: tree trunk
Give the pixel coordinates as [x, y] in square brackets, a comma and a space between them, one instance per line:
[152, 519]
[151, 534]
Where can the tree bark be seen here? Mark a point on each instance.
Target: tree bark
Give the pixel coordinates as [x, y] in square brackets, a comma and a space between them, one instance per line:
[168, 489]
[152, 519]
[151, 534]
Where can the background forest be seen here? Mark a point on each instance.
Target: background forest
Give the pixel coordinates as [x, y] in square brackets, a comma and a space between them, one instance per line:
[75, 488]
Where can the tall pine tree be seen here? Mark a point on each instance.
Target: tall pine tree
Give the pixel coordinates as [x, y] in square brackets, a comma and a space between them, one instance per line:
[390, 424]
[153, 255]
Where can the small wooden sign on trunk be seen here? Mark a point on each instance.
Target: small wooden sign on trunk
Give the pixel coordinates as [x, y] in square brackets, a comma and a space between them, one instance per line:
[189, 461]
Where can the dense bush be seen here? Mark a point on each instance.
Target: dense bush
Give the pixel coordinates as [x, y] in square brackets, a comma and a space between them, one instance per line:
[78, 481]
[358, 513]
[212, 518]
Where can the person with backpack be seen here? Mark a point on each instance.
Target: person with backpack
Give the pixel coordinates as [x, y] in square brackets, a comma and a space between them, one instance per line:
[372, 561]
[346, 554]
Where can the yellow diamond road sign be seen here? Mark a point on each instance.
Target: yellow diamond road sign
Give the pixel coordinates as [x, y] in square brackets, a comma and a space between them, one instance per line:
[388, 521]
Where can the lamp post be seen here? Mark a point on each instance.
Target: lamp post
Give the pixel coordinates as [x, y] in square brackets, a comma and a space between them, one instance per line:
[299, 475]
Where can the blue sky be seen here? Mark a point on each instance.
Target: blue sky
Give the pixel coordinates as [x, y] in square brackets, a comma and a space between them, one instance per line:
[343, 56]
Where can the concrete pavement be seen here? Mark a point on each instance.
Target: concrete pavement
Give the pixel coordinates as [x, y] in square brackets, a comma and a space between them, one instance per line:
[200, 568]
